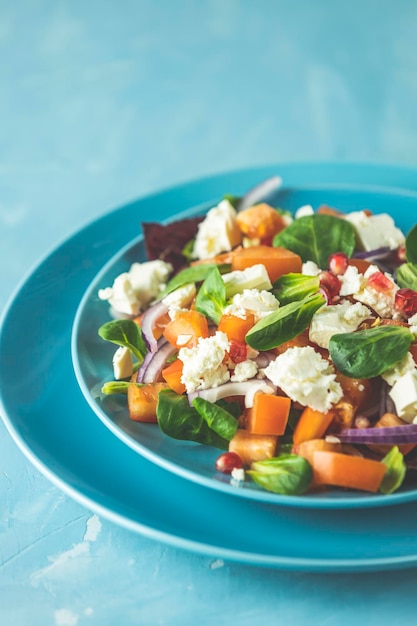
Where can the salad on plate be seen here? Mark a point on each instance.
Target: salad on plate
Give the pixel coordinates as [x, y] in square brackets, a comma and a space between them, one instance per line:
[287, 341]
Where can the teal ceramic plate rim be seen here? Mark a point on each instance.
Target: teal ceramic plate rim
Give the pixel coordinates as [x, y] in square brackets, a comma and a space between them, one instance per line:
[47, 416]
[92, 364]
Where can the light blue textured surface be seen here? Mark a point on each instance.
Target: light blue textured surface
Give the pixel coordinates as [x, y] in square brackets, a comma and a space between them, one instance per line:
[101, 102]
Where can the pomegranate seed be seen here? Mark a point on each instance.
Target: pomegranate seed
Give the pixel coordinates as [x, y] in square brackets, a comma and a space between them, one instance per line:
[338, 263]
[380, 282]
[238, 351]
[227, 462]
[406, 302]
[330, 282]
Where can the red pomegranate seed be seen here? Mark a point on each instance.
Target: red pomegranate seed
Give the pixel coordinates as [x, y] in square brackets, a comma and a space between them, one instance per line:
[380, 282]
[330, 282]
[238, 351]
[338, 263]
[406, 302]
[227, 462]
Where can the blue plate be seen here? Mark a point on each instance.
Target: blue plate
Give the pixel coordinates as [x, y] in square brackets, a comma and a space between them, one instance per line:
[92, 356]
[47, 415]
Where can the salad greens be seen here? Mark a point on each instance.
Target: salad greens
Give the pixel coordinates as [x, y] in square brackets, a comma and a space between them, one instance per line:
[395, 472]
[285, 323]
[179, 420]
[211, 297]
[369, 353]
[127, 334]
[290, 287]
[316, 237]
[288, 474]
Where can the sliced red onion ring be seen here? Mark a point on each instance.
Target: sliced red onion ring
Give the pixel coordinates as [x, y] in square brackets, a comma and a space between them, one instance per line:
[388, 435]
[373, 255]
[259, 193]
[154, 363]
[148, 324]
[248, 389]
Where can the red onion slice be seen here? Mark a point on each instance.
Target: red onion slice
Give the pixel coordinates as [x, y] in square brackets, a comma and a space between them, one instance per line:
[148, 324]
[388, 435]
[154, 363]
[259, 193]
[371, 255]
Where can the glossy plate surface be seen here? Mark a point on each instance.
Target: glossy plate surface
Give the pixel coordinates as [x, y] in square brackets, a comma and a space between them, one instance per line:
[92, 356]
[47, 415]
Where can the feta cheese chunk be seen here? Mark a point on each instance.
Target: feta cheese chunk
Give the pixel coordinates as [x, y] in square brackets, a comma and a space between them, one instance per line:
[394, 373]
[380, 301]
[375, 231]
[309, 268]
[218, 232]
[352, 281]
[258, 302]
[334, 319]
[132, 291]
[203, 364]
[304, 210]
[180, 299]
[122, 363]
[244, 371]
[306, 377]
[404, 395]
[254, 277]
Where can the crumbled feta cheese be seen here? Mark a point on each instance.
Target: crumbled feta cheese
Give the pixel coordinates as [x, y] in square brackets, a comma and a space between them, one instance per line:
[258, 302]
[218, 232]
[381, 302]
[238, 474]
[309, 268]
[122, 363]
[413, 325]
[132, 291]
[394, 373]
[375, 231]
[304, 210]
[306, 377]
[203, 364]
[352, 281]
[254, 277]
[182, 297]
[337, 318]
[244, 371]
[404, 395]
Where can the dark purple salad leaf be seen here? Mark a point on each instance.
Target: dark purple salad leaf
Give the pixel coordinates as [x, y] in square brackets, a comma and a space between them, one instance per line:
[167, 241]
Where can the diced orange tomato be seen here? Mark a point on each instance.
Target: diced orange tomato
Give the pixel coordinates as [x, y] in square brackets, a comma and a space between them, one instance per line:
[186, 328]
[312, 425]
[269, 414]
[142, 401]
[306, 449]
[344, 470]
[278, 261]
[251, 447]
[172, 376]
[358, 391]
[260, 222]
[236, 327]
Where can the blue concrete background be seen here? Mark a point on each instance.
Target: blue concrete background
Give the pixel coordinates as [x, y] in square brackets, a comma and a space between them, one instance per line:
[104, 101]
